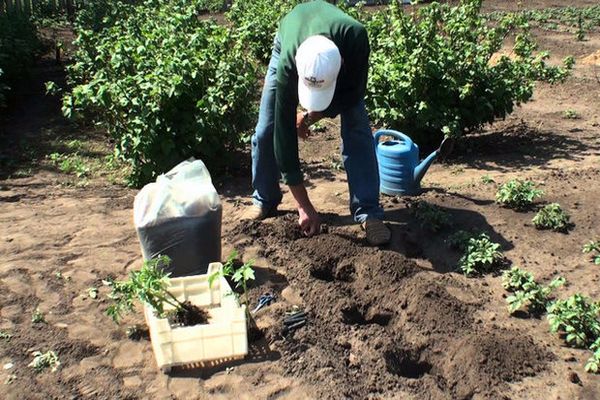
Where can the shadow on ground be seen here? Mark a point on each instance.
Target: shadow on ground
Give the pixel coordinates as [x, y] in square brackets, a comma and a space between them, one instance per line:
[518, 147]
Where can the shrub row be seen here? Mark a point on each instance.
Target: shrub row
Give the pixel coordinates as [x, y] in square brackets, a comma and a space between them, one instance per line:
[166, 84]
[169, 85]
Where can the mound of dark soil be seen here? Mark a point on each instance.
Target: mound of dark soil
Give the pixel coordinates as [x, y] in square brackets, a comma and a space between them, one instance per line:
[379, 325]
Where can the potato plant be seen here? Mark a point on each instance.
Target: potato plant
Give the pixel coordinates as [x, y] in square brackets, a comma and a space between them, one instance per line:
[576, 319]
[593, 364]
[593, 248]
[480, 256]
[459, 240]
[553, 217]
[518, 194]
[527, 292]
[42, 361]
[430, 216]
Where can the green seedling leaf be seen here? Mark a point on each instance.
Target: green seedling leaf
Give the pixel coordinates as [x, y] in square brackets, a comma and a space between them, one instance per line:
[92, 292]
[38, 317]
[42, 361]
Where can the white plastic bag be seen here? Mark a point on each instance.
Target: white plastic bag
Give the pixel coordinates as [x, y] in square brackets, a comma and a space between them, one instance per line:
[184, 191]
[179, 215]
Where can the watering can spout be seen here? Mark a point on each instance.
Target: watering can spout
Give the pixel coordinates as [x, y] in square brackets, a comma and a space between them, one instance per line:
[422, 168]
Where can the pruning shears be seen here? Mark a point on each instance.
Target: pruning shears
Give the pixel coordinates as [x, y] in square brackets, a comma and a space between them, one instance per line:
[264, 300]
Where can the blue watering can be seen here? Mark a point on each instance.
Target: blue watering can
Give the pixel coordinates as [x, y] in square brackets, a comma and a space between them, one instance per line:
[400, 172]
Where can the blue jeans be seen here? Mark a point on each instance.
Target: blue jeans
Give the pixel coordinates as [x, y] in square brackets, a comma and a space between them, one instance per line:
[358, 154]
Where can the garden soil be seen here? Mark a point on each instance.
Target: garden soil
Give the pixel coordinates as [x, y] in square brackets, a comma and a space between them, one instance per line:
[396, 322]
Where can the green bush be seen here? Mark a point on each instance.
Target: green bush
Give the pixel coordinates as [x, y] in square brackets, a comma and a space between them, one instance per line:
[438, 72]
[166, 85]
[552, 216]
[518, 194]
[256, 23]
[19, 46]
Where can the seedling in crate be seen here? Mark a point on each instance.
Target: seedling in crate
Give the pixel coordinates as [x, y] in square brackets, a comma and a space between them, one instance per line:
[41, 361]
[552, 216]
[594, 248]
[240, 276]
[481, 255]
[149, 286]
[518, 194]
[527, 292]
[430, 215]
[576, 319]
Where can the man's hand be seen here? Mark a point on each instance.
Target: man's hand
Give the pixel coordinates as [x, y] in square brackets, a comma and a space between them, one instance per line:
[309, 221]
[302, 126]
[308, 218]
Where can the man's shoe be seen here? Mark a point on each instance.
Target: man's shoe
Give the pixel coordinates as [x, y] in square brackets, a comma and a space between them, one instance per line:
[377, 233]
[258, 213]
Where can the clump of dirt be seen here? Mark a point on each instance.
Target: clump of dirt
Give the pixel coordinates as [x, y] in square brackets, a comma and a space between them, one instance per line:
[188, 315]
[378, 324]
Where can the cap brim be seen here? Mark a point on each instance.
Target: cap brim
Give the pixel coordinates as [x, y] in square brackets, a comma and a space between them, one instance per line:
[315, 99]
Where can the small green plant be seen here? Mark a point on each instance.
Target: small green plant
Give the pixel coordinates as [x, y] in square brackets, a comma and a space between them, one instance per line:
[318, 127]
[41, 361]
[593, 246]
[515, 279]
[148, 285]
[459, 240]
[552, 216]
[593, 364]
[518, 194]
[70, 164]
[527, 292]
[575, 318]
[92, 292]
[487, 180]
[481, 255]
[5, 336]
[580, 33]
[570, 114]
[38, 317]
[240, 276]
[430, 215]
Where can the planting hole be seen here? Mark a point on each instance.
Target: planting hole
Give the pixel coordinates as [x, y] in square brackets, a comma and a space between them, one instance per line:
[322, 272]
[404, 364]
[354, 316]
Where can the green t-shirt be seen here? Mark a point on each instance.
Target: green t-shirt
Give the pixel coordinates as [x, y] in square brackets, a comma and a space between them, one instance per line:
[315, 18]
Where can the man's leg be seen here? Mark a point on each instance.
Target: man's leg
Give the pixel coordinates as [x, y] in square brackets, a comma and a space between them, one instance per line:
[360, 162]
[265, 174]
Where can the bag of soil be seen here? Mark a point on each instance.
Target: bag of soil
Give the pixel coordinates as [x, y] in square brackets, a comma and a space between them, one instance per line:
[179, 216]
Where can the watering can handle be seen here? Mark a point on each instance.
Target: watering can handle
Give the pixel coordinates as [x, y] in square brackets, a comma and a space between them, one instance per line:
[394, 134]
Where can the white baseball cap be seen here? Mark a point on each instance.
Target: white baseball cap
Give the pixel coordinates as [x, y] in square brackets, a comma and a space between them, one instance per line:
[318, 62]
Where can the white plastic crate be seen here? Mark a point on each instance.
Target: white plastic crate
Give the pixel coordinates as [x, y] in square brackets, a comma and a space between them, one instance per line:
[223, 338]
